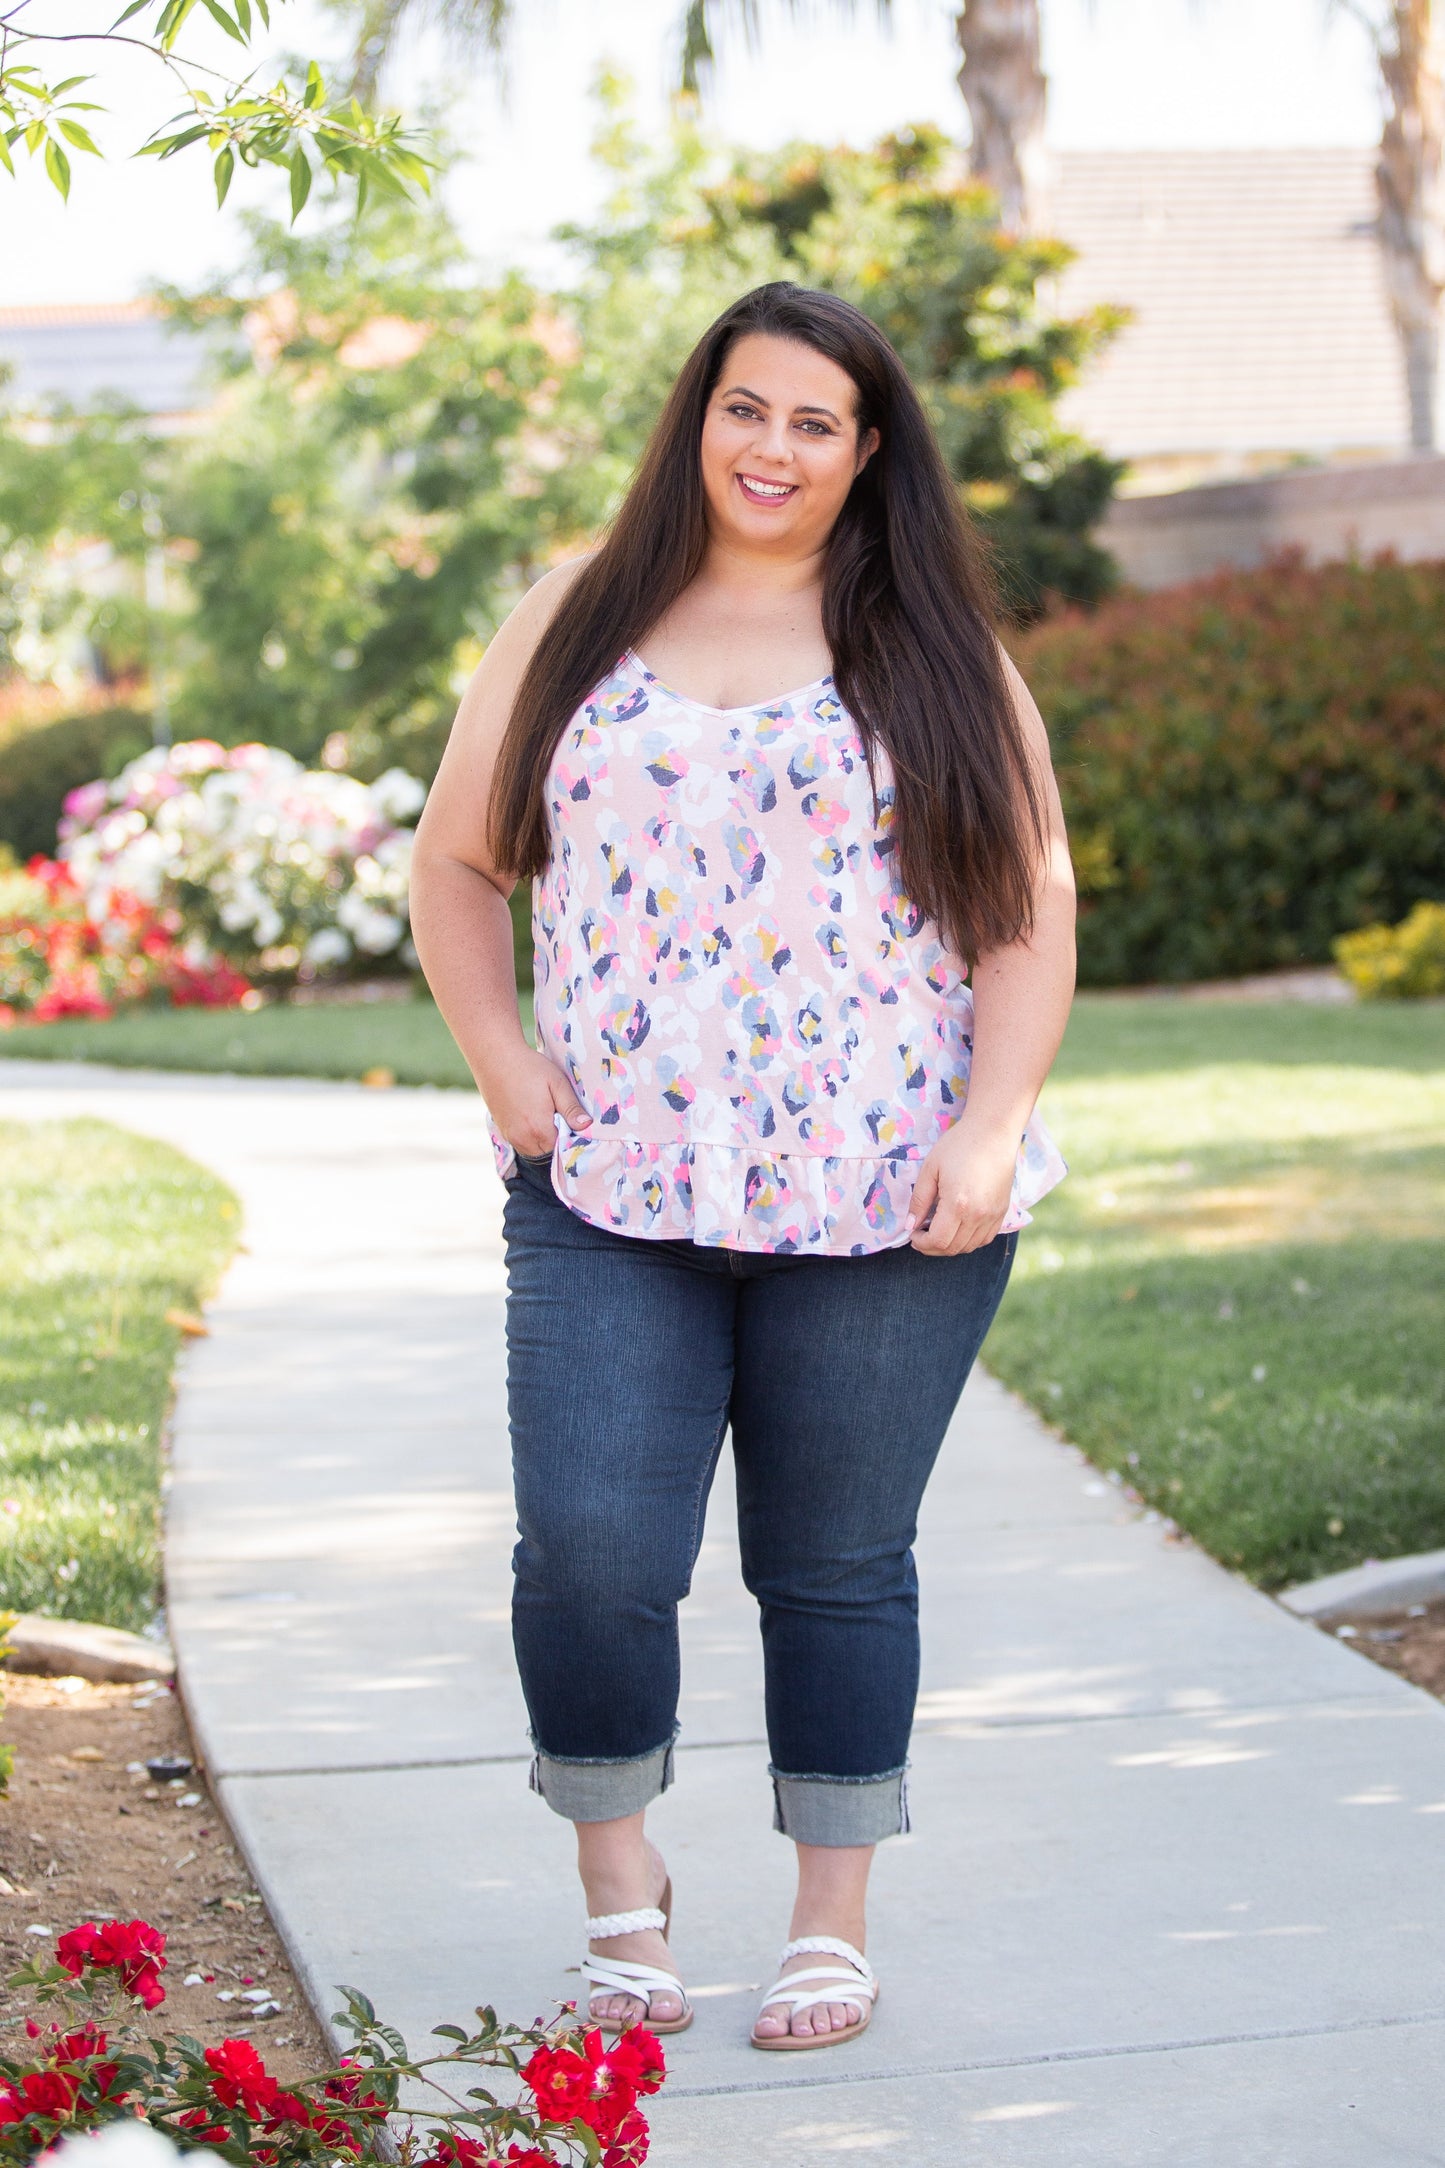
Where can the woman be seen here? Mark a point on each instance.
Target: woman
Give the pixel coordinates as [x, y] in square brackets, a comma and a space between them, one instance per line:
[775, 780]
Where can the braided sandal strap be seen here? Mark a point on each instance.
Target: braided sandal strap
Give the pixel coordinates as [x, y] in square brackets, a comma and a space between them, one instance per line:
[603, 1925]
[828, 1946]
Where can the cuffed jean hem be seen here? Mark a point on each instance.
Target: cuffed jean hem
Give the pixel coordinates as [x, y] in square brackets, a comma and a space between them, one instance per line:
[601, 1791]
[841, 1810]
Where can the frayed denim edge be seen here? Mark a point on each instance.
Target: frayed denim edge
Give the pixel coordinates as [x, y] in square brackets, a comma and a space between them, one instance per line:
[834, 1814]
[580, 1796]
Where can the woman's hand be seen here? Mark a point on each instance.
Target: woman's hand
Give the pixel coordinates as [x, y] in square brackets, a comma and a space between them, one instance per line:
[524, 1099]
[965, 1184]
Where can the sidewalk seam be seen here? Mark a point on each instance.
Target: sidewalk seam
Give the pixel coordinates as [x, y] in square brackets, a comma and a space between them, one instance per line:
[1061, 2055]
[935, 1727]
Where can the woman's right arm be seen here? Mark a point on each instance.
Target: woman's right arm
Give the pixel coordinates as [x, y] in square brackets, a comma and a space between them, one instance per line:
[460, 921]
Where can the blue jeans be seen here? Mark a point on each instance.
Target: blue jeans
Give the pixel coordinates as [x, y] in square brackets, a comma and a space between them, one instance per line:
[626, 1362]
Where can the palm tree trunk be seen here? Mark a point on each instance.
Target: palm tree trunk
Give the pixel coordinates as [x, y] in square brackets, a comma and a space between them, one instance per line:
[1410, 191]
[374, 38]
[1006, 92]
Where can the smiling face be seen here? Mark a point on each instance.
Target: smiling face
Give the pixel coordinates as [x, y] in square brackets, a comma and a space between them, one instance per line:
[780, 446]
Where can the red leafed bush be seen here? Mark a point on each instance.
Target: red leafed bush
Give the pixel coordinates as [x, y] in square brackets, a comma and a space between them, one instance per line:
[576, 2098]
[57, 960]
[1251, 765]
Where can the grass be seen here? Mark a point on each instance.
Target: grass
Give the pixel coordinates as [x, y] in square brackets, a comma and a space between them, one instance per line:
[100, 1234]
[1236, 1300]
[327, 1040]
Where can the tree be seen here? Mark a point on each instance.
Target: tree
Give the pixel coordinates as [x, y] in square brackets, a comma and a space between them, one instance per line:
[293, 124]
[999, 74]
[400, 448]
[1006, 92]
[1410, 188]
[371, 496]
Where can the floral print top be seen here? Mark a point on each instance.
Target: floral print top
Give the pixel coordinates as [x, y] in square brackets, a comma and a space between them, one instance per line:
[767, 1033]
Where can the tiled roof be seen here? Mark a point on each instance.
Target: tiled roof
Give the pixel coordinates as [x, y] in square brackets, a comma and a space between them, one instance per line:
[85, 351]
[1260, 317]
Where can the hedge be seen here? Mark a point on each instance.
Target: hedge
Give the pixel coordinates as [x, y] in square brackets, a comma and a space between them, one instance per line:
[39, 766]
[1251, 765]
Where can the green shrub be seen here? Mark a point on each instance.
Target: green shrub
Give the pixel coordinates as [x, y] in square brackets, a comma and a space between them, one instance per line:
[39, 767]
[1397, 963]
[1251, 766]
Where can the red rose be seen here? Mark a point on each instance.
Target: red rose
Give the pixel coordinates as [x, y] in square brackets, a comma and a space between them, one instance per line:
[612, 2093]
[346, 2087]
[202, 2130]
[132, 1948]
[10, 2109]
[240, 2079]
[51, 2093]
[87, 2046]
[339, 2136]
[288, 2108]
[629, 2148]
[454, 2151]
[468, 2152]
[638, 2053]
[561, 2081]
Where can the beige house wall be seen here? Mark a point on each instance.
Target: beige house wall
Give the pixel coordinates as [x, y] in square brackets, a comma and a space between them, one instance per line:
[1326, 513]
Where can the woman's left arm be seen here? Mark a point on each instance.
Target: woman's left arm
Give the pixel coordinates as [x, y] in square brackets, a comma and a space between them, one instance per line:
[1021, 997]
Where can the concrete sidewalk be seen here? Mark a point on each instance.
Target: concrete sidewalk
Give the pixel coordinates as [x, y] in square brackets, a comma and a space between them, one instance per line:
[1175, 1892]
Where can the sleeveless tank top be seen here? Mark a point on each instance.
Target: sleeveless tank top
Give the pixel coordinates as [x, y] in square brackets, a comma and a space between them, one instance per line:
[767, 1033]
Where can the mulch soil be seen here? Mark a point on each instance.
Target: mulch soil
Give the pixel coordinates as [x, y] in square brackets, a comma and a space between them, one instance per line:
[1411, 1642]
[86, 1832]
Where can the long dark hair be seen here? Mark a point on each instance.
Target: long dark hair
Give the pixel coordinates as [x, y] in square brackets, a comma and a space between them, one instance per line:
[907, 614]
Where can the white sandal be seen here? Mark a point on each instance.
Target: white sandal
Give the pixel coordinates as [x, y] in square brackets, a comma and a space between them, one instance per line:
[829, 1983]
[620, 1976]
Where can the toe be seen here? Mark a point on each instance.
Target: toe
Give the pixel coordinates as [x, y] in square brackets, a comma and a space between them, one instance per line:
[772, 2022]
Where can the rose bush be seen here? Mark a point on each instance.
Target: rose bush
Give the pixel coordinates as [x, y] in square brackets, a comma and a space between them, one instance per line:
[273, 865]
[576, 2096]
[62, 956]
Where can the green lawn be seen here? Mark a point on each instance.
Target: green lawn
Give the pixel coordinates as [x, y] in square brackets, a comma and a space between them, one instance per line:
[100, 1234]
[331, 1040]
[1237, 1299]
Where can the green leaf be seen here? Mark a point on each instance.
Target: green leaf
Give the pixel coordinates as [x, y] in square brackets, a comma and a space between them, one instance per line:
[172, 21]
[57, 165]
[225, 167]
[167, 146]
[449, 2032]
[315, 87]
[74, 133]
[228, 23]
[126, 13]
[5, 159]
[300, 180]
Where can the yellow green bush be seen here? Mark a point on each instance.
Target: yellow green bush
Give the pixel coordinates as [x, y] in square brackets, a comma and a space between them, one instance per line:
[1397, 963]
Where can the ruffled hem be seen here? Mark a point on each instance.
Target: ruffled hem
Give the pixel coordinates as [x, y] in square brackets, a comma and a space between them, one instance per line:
[735, 1197]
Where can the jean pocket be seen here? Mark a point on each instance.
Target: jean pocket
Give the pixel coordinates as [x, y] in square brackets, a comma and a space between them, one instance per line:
[533, 1159]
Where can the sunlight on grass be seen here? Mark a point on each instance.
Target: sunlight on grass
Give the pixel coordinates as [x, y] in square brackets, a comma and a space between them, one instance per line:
[1236, 1299]
[1225, 1157]
[101, 1233]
